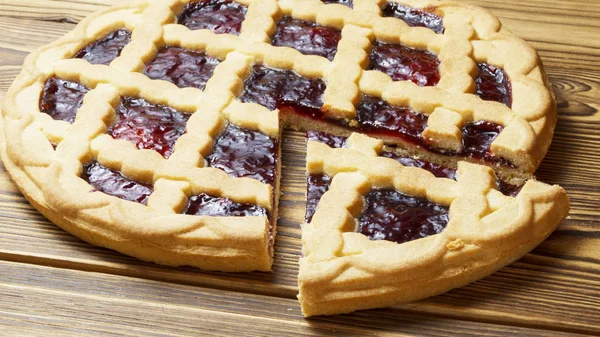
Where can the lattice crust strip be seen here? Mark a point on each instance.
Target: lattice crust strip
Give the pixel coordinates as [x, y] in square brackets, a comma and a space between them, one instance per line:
[343, 271]
[50, 177]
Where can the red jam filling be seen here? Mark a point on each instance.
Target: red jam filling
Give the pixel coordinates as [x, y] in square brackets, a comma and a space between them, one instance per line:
[437, 170]
[106, 49]
[149, 126]
[415, 17]
[348, 3]
[493, 84]
[220, 16]
[278, 89]
[394, 216]
[307, 37]
[318, 184]
[508, 189]
[477, 138]
[61, 99]
[246, 153]
[402, 63]
[114, 183]
[378, 117]
[207, 205]
[182, 67]
[336, 142]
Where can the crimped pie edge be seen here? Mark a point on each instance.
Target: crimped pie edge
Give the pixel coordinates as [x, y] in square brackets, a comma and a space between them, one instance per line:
[343, 271]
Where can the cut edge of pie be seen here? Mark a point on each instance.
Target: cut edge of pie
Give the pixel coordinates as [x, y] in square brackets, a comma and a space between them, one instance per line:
[344, 271]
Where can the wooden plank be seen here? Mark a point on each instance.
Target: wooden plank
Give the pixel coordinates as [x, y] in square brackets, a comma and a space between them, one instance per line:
[26, 35]
[556, 287]
[54, 10]
[562, 31]
[78, 302]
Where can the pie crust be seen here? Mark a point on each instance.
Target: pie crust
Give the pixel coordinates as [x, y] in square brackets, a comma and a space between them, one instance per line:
[343, 271]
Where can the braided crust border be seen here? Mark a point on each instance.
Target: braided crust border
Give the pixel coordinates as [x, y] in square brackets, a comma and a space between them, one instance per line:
[343, 271]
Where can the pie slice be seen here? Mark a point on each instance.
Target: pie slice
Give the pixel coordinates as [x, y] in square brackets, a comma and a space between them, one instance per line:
[385, 233]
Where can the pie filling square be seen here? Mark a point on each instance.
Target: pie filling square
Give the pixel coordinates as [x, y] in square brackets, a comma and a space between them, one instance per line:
[178, 146]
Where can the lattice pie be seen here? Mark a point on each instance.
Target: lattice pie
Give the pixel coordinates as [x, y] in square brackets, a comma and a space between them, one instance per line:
[154, 128]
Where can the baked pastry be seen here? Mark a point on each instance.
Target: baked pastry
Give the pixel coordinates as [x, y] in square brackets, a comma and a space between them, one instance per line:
[318, 183]
[154, 128]
[174, 171]
[385, 233]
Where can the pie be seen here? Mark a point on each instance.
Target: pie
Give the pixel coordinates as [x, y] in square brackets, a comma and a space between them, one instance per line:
[154, 129]
[390, 229]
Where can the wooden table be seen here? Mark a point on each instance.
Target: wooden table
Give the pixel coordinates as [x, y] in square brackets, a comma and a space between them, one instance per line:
[52, 283]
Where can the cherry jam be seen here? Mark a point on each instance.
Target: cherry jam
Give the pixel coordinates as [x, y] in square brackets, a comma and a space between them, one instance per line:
[437, 170]
[307, 37]
[394, 216]
[508, 189]
[318, 184]
[182, 67]
[477, 138]
[348, 3]
[61, 99]
[149, 126]
[402, 63]
[377, 116]
[105, 50]
[415, 17]
[220, 16]
[246, 153]
[207, 205]
[116, 184]
[279, 89]
[493, 84]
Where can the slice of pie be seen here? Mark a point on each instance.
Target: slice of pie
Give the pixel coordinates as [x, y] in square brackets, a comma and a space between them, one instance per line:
[154, 128]
[388, 231]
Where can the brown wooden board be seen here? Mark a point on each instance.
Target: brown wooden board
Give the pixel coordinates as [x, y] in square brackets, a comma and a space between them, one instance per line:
[551, 291]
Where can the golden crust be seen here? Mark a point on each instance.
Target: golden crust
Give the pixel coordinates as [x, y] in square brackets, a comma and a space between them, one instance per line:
[343, 271]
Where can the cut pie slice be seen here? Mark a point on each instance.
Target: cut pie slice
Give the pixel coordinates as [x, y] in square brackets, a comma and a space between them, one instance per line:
[386, 234]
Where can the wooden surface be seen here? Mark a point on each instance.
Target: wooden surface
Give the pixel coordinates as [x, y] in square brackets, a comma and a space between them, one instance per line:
[52, 283]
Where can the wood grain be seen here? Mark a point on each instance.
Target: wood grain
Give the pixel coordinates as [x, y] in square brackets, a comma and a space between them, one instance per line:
[554, 289]
[132, 307]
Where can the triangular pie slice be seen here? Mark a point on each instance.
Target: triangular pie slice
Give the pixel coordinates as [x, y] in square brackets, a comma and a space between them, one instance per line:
[385, 233]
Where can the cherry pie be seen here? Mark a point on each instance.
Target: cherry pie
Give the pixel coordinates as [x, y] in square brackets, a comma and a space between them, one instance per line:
[154, 128]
